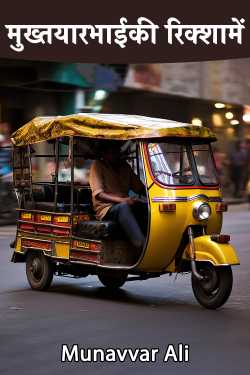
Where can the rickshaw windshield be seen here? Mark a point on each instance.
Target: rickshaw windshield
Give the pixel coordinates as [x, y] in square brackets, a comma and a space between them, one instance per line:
[179, 164]
[170, 163]
[205, 164]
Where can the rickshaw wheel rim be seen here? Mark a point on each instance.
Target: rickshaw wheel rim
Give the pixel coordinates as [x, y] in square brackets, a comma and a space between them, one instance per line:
[210, 283]
[36, 269]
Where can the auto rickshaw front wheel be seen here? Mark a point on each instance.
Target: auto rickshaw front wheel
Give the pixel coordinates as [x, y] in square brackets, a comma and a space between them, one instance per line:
[39, 271]
[215, 287]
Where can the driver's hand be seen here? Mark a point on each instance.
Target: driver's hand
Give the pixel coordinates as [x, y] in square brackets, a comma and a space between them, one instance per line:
[130, 201]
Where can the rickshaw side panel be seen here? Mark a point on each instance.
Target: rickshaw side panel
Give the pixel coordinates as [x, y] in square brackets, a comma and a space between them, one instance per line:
[71, 246]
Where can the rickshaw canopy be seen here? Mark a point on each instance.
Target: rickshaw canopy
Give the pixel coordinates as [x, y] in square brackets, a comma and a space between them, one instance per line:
[105, 126]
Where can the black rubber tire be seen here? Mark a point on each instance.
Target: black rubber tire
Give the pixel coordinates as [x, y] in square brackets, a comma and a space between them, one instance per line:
[215, 291]
[112, 280]
[39, 278]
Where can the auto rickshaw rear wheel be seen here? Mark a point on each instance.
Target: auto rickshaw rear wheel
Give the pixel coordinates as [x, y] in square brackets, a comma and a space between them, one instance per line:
[112, 279]
[39, 271]
[214, 290]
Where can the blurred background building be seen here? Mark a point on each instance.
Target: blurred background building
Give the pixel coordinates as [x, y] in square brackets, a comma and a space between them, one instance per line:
[214, 94]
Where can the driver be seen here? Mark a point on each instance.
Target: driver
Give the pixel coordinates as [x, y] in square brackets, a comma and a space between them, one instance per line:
[111, 180]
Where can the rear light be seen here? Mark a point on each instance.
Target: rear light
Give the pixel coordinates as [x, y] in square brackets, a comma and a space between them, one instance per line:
[221, 207]
[220, 238]
[167, 207]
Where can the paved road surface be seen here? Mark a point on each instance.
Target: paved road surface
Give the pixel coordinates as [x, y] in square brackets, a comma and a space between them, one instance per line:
[151, 314]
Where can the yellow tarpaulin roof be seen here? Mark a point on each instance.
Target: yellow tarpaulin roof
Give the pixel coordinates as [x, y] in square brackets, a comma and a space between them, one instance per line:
[104, 126]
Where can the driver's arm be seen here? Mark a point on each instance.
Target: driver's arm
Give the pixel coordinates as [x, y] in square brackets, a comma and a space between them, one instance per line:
[113, 198]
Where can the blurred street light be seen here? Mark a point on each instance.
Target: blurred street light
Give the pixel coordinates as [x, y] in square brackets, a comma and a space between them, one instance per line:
[197, 121]
[246, 117]
[229, 115]
[234, 122]
[219, 105]
[100, 95]
[217, 120]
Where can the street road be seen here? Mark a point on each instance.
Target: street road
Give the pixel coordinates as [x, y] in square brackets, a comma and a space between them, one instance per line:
[144, 314]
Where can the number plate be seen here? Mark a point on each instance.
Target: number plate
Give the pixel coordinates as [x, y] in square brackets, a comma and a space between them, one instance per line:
[84, 245]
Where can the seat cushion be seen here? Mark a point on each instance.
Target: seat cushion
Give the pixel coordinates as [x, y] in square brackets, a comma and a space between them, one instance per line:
[98, 229]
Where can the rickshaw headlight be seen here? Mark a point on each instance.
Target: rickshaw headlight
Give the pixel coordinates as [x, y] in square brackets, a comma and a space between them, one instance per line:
[201, 211]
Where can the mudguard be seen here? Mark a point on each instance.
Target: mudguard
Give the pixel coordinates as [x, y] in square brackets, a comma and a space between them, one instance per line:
[217, 253]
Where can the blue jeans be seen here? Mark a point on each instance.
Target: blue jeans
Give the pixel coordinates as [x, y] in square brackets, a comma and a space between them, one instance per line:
[132, 220]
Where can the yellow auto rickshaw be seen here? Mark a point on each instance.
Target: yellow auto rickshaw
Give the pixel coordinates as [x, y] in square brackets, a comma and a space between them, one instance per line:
[58, 234]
